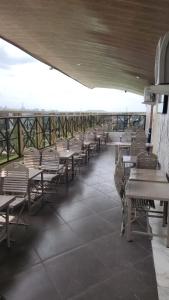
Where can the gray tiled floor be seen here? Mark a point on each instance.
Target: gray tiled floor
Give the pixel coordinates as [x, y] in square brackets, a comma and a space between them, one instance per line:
[73, 249]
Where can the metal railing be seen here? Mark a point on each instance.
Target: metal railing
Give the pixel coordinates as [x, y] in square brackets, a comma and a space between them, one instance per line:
[125, 121]
[41, 131]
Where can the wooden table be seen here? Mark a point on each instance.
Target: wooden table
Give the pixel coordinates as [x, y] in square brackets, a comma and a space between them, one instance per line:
[151, 175]
[129, 159]
[147, 175]
[33, 173]
[120, 145]
[5, 201]
[86, 145]
[106, 136]
[125, 144]
[147, 191]
[98, 140]
[66, 155]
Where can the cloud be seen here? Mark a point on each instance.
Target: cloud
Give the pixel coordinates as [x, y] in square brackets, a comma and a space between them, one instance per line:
[29, 83]
[10, 56]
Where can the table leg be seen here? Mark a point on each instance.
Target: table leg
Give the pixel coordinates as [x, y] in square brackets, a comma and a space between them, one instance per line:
[129, 220]
[86, 156]
[106, 138]
[168, 231]
[116, 153]
[99, 144]
[124, 170]
[67, 175]
[88, 152]
[7, 227]
[42, 183]
[72, 167]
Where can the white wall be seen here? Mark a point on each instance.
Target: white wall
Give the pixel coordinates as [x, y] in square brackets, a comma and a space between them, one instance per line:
[160, 138]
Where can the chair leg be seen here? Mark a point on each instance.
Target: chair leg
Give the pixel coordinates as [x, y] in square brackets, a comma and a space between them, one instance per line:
[129, 220]
[165, 213]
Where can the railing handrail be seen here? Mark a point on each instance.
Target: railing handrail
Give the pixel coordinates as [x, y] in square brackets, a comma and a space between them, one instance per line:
[75, 114]
[41, 130]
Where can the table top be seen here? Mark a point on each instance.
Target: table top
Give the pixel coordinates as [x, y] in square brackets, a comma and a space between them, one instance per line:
[5, 200]
[150, 145]
[34, 172]
[129, 159]
[147, 190]
[66, 154]
[87, 143]
[121, 144]
[147, 175]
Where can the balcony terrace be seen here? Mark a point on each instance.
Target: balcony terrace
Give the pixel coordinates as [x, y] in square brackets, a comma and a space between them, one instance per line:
[72, 248]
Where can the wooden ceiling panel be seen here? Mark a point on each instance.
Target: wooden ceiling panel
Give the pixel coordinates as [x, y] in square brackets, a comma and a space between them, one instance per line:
[100, 43]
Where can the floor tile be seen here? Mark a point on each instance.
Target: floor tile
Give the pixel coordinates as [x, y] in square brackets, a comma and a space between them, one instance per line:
[30, 285]
[116, 253]
[73, 248]
[113, 215]
[125, 285]
[55, 241]
[91, 228]
[16, 259]
[74, 272]
[45, 218]
[74, 211]
[99, 204]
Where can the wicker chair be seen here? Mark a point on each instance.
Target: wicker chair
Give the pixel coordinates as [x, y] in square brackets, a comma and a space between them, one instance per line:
[126, 136]
[52, 172]
[137, 147]
[80, 156]
[91, 137]
[15, 182]
[50, 164]
[120, 182]
[143, 208]
[141, 138]
[31, 157]
[62, 144]
[147, 161]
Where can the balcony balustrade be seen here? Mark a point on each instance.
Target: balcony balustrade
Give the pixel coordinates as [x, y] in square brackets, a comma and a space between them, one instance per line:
[41, 131]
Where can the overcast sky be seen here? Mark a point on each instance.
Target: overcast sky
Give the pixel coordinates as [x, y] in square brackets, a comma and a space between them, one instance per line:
[26, 82]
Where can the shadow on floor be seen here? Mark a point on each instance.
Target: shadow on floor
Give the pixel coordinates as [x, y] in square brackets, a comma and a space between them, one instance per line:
[73, 249]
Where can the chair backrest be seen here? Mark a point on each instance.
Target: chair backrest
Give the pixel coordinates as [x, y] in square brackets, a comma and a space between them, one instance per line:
[99, 130]
[140, 131]
[16, 179]
[126, 136]
[141, 137]
[50, 159]
[75, 143]
[137, 147]
[90, 136]
[31, 157]
[119, 179]
[61, 144]
[79, 136]
[147, 161]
